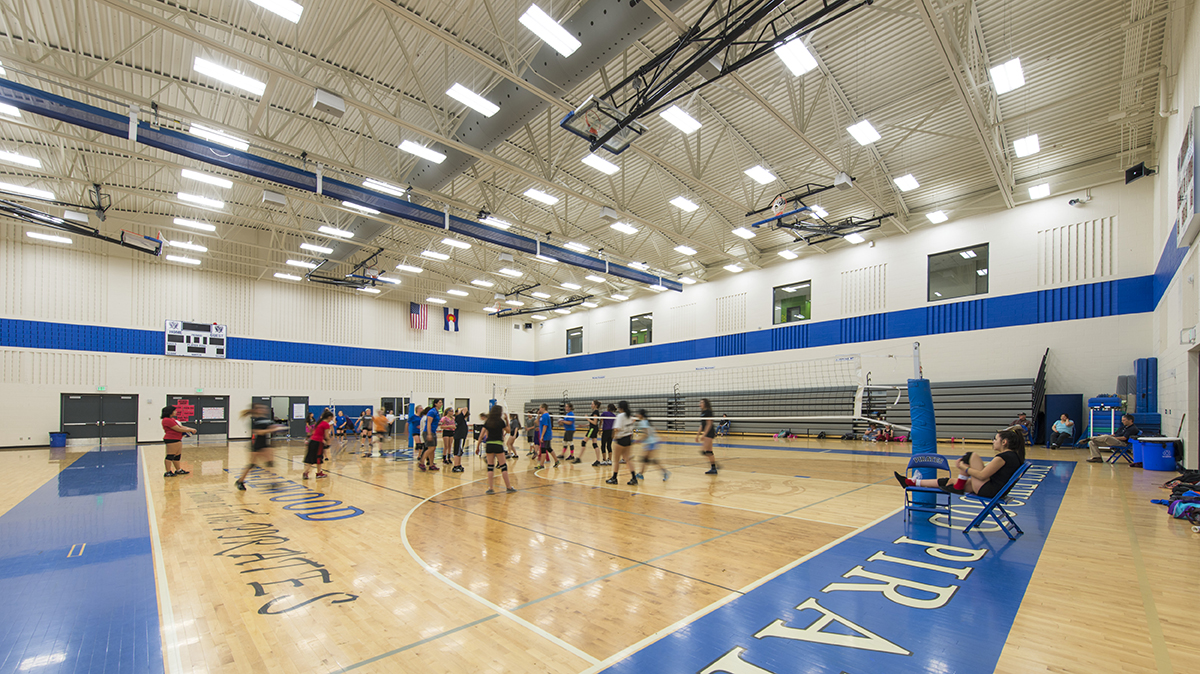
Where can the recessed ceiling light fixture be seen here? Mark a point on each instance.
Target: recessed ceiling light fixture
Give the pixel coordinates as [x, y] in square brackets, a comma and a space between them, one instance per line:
[48, 237]
[496, 222]
[287, 277]
[937, 217]
[744, 233]
[1023, 147]
[10, 110]
[285, 8]
[316, 249]
[435, 255]
[435, 300]
[514, 303]
[1039, 191]
[409, 268]
[864, 133]
[181, 259]
[540, 295]
[27, 191]
[195, 224]
[760, 175]
[686, 250]
[787, 254]
[384, 279]
[818, 211]
[549, 30]
[205, 178]
[594, 279]
[601, 164]
[199, 200]
[230, 77]
[562, 311]
[641, 266]
[373, 291]
[680, 119]
[624, 228]
[538, 195]
[733, 268]
[906, 182]
[334, 231]
[687, 280]
[683, 203]
[457, 292]
[386, 188]
[854, 238]
[360, 208]
[422, 152]
[795, 56]
[539, 317]
[218, 136]
[1008, 76]
[472, 100]
[509, 272]
[577, 247]
[981, 272]
[658, 287]
[545, 258]
[482, 284]
[589, 305]
[302, 263]
[455, 243]
[967, 254]
[186, 245]
[14, 158]
[571, 286]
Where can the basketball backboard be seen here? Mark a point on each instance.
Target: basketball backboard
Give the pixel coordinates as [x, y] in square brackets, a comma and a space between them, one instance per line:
[595, 118]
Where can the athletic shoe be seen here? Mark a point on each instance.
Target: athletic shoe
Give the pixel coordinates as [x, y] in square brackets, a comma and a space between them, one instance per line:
[640, 476]
[510, 490]
[666, 474]
[901, 479]
[490, 492]
[304, 476]
[575, 460]
[168, 474]
[240, 485]
[632, 481]
[949, 489]
[322, 474]
[457, 469]
[433, 467]
[595, 463]
[421, 466]
[446, 461]
[181, 472]
[611, 480]
[711, 471]
[1094, 459]
[538, 467]
[556, 463]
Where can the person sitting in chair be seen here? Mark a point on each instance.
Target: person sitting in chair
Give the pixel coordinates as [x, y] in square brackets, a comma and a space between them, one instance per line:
[1021, 423]
[1064, 431]
[1119, 438]
[976, 477]
[723, 426]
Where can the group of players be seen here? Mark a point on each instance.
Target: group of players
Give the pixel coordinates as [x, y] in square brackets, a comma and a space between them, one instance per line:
[611, 431]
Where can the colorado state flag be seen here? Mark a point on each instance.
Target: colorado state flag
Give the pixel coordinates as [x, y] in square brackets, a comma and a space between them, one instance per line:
[451, 319]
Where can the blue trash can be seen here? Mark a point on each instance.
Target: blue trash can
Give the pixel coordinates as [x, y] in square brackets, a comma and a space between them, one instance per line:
[1158, 456]
[58, 439]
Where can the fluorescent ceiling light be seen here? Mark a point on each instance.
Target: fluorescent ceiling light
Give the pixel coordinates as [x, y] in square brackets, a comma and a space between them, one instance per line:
[639, 265]
[733, 268]
[76, 216]
[509, 272]
[10, 110]
[538, 195]
[302, 263]
[199, 200]
[619, 298]
[287, 277]
[906, 182]
[562, 311]
[594, 279]
[1039, 191]
[680, 119]
[601, 164]
[496, 222]
[545, 258]
[316, 249]
[540, 295]
[658, 287]
[1008, 76]
[435, 255]
[360, 208]
[855, 238]
[864, 133]
[937, 293]
[515, 303]
[182, 260]
[624, 228]
[409, 268]
[549, 30]
[491, 310]
[577, 247]
[981, 272]
[457, 292]
[686, 250]
[205, 178]
[787, 254]
[760, 175]
[482, 284]
[684, 204]
[221, 137]
[195, 224]
[967, 254]
[423, 152]
[455, 243]
[472, 100]
[744, 233]
[589, 305]
[687, 280]
[27, 191]
[937, 217]
[186, 245]
[571, 286]
[47, 237]
[792, 289]
[285, 8]
[386, 188]
[384, 279]
[230, 77]
[818, 211]
[796, 57]
[334, 231]
[435, 300]
[1023, 147]
[14, 158]
[373, 291]
[539, 317]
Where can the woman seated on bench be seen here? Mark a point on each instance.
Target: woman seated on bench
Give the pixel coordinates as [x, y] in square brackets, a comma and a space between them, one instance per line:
[974, 476]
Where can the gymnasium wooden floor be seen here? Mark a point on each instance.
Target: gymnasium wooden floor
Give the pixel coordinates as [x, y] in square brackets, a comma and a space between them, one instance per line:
[573, 575]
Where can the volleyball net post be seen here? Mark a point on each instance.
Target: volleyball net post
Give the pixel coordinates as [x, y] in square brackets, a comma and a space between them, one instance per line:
[924, 421]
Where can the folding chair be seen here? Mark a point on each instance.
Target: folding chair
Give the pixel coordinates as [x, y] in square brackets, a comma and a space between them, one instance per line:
[990, 506]
[1123, 451]
[939, 505]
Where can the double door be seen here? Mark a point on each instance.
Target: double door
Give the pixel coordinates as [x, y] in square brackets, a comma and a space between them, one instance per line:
[96, 417]
[209, 415]
[292, 411]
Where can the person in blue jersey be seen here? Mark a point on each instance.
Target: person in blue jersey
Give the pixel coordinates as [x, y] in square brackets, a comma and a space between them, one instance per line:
[429, 431]
[341, 423]
[414, 428]
[568, 425]
[545, 437]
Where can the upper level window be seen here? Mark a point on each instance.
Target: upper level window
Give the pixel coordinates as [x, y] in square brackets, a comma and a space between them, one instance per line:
[574, 340]
[958, 273]
[641, 329]
[792, 302]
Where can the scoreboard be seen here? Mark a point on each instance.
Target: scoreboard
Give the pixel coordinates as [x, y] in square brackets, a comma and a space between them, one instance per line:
[198, 340]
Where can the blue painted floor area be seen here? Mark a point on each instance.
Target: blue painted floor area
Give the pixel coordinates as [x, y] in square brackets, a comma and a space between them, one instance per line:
[77, 573]
[900, 597]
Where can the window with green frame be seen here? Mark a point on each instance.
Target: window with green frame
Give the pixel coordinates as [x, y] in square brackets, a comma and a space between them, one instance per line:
[792, 302]
[641, 329]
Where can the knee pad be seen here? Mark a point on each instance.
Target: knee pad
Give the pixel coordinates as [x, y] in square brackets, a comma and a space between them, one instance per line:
[504, 468]
[491, 468]
[173, 457]
[707, 452]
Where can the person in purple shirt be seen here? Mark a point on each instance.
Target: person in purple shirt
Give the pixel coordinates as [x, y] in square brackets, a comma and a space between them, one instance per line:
[607, 418]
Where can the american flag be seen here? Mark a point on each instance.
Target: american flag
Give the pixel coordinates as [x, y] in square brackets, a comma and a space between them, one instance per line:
[418, 316]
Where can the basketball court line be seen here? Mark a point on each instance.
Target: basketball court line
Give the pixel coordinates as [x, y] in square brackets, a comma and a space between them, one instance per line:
[626, 652]
[167, 628]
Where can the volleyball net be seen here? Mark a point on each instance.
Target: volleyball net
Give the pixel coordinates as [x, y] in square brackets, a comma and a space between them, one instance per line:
[834, 395]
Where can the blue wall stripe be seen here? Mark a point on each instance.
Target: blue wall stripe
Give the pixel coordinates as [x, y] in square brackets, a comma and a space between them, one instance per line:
[1094, 300]
[1168, 264]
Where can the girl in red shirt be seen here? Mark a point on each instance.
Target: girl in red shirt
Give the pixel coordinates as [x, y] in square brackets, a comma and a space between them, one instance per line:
[173, 433]
[317, 443]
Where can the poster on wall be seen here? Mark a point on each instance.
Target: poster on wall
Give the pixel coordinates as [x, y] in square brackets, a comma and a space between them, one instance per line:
[213, 413]
[298, 410]
[1188, 225]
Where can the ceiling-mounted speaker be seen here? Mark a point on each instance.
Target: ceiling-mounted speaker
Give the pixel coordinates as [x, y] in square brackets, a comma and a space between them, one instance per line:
[607, 213]
[1134, 172]
[329, 103]
[276, 198]
[843, 181]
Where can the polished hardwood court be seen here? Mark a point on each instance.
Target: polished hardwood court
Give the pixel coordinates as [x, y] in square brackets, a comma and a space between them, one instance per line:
[570, 574]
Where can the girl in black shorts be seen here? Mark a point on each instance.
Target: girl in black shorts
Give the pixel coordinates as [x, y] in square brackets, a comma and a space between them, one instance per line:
[593, 431]
[705, 435]
[317, 442]
[495, 429]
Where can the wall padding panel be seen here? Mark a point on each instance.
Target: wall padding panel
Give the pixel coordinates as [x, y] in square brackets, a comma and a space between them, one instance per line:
[498, 334]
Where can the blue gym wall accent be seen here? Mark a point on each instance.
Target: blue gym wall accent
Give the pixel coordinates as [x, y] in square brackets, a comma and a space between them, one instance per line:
[1093, 300]
[1168, 264]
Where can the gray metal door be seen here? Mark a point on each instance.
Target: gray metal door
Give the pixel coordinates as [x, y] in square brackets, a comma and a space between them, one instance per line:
[213, 417]
[118, 416]
[297, 416]
[80, 416]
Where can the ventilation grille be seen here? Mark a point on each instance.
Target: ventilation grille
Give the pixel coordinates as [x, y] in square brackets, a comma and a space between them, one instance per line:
[10, 367]
[731, 314]
[682, 323]
[864, 291]
[69, 369]
[498, 337]
[1084, 251]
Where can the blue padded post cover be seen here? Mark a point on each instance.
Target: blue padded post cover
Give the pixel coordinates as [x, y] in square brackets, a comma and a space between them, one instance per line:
[924, 427]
